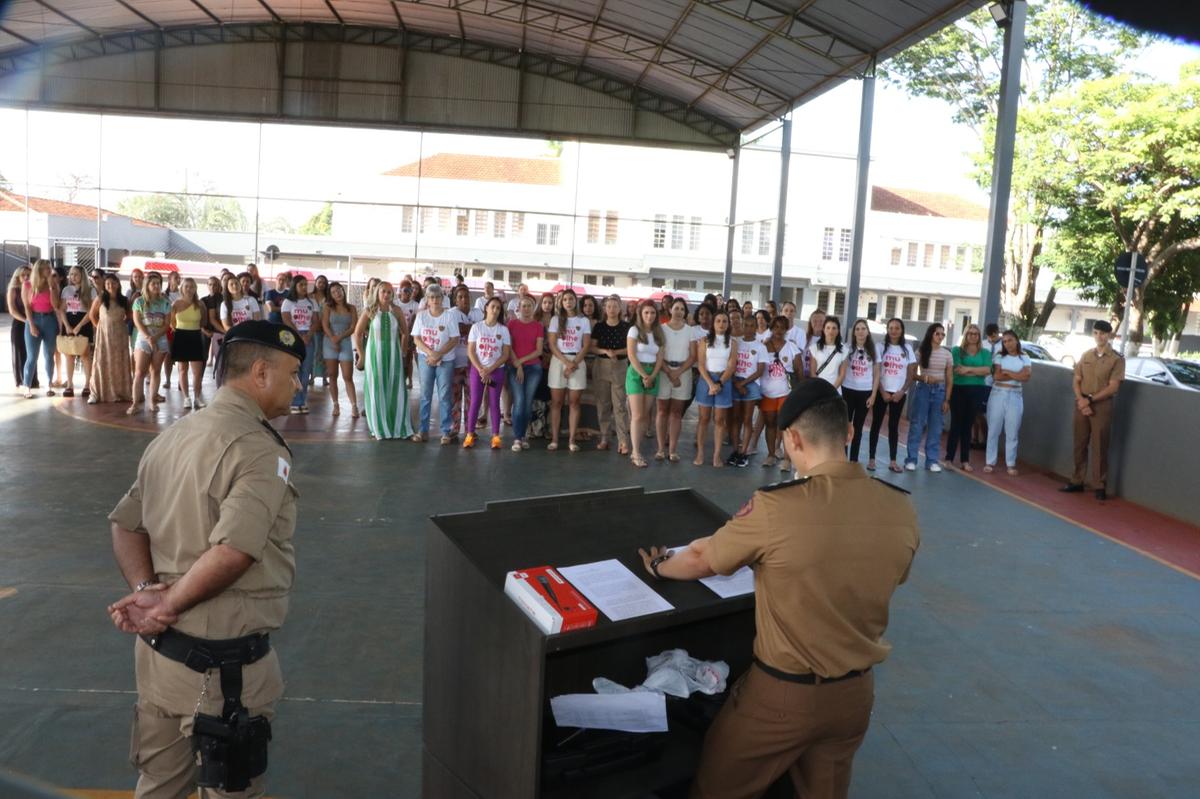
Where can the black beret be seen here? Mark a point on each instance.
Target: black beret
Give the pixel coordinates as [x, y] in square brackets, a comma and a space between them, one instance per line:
[807, 394]
[1102, 326]
[268, 334]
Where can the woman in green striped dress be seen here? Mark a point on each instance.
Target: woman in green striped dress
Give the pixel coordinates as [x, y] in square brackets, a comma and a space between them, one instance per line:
[381, 358]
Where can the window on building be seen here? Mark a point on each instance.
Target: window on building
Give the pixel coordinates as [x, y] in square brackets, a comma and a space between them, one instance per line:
[462, 223]
[889, 307]
[844, 245]
[481, 222]
[960, 257]
[694, 234]
[839, 303]
[685, 285]
[608, 280]
[611, 222]
[550, 276]
[657, 282]
[426, 220]
[514, 278]
[907, 308]
[939, 310]
[554, 235]
[406, 219]
[500, 224]
[443, 220]
[660, 231]
[518, 226]
[477, 272]
[945, 260]
[912, 254]
[896, 255]
[593, 227]
[764, 237]
[923, 309]
[677, 232]
[927, 261]
[533, 275]
[747, 238]
[541, 232]
[827, 245]
[590, 280]
[823, 299]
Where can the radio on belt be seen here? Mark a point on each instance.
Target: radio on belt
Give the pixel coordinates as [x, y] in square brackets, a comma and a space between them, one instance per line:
[548, 600]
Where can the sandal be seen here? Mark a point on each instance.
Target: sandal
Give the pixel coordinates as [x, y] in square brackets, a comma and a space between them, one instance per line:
[698, 462]
[70, 392]
[417, 438]
[50, 392]
[871, 465]
[603, 445]
[895, 467]
[1013, 472]
[337, 410]
[673, 457]
[131, 410]
[354, 414]
[660, 456]
[622, 450]
[573, 447]
[988, 469]
[552, 446]
[769, 462]
[966, 467]
[639, 462]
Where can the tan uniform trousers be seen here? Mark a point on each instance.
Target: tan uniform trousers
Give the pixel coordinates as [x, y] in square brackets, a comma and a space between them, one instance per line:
[1091, 436]
[769, 726]
[608, 386]
[160, 744]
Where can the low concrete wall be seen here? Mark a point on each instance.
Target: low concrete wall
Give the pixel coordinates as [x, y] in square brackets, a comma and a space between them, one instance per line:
[1155, 440]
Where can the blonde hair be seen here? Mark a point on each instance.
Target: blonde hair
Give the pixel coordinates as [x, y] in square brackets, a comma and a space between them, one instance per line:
[19, 277]
[85, 285]
[962, 345]
[195, 293]
[39, 281]
[372, 304]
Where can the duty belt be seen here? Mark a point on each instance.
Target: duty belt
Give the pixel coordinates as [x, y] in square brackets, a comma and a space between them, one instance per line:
[807, 679]
[201, 654]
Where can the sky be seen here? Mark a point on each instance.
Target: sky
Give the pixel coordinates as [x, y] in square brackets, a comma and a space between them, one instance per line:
[915, 145]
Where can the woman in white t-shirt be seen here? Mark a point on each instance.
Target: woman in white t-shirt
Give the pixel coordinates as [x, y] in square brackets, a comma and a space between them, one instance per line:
[1010, 371]
[642, 376]
[751, 363]
[570, 335]
[861, 382]
[827, 356]
[489, 345]
[435, 333]
[237, 306]
[299, 312]
[675, 387]
[717, 356]
[783, 359]
[897, 369]
[76, 302]
[460, 387]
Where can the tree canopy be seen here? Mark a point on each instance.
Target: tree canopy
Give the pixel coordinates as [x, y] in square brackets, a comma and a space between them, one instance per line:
[187, 211]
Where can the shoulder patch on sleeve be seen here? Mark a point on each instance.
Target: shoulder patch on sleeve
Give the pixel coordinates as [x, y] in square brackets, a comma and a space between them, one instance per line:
[785, 484]
[892, 486]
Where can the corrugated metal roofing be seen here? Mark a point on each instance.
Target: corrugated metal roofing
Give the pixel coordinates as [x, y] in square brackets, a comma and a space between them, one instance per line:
[738, 63]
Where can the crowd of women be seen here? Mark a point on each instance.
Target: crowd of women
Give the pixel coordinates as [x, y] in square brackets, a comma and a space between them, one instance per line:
[526, 362]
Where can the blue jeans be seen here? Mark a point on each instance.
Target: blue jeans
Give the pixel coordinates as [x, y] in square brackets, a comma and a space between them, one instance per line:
[1004, 410]
[522, 397]
[926, 421]
[306, 367]
[441, 377]
[46, 341]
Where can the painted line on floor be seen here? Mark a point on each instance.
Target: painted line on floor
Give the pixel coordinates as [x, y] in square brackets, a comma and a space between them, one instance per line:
[121, 691]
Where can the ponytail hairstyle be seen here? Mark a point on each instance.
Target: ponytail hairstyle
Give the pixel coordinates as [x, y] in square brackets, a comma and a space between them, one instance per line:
[926, 348]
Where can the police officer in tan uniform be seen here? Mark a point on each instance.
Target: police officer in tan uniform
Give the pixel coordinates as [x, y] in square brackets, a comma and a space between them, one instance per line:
[827, 550]
[204, 539]
[1098, 376]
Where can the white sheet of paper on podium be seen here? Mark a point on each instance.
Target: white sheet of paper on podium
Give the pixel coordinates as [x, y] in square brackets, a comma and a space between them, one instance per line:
[740, 583]
[615, 590]
[636, 711]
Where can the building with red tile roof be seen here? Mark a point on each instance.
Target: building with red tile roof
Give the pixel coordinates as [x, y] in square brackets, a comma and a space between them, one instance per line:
[483, 169]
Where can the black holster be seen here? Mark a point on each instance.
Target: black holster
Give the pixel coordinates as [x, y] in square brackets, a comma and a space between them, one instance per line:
[230, 749]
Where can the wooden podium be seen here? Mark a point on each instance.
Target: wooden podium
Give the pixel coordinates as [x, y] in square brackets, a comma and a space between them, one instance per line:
[490, 673]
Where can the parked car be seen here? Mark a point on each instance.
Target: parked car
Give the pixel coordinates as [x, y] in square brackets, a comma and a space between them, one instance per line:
[1037, 352]
[1174, 372]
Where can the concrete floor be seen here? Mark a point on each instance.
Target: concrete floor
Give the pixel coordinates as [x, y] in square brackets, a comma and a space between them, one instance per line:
[1032, 658]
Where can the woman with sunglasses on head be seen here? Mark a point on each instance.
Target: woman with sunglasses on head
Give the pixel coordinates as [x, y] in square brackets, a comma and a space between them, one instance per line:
[570, 336]
[525, 377]
[435, 333]
[861, 382]
[489, 346]
[747, 394]
[675, 385]
[338, 321]
[76, 303]
[379, 338]
[111, 380]
[301, 314]
[897, 372]
[717, 356]
[935, 387]
[646, 345]
[610, 350]
[1006, 403]
[187, 342]
[972, 367]
[150, 312]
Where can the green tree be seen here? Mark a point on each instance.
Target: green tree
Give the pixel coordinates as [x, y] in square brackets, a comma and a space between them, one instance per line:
[960, 65]
[187, 211]
[1129, 178]
[320, 223]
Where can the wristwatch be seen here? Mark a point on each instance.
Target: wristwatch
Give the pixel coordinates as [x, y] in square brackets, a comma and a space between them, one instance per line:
[1088, 397]
[656, 562]
[144, 584]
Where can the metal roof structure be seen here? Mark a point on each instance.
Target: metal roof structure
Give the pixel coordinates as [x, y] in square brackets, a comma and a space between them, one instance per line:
[680, 72]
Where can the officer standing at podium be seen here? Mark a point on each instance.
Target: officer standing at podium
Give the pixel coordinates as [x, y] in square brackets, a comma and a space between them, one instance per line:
[828, 550]
[204, 539]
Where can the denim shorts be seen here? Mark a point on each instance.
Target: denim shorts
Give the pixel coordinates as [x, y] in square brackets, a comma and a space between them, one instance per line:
[161, 345]
[344, 351]
[722, 399]
[753, 393]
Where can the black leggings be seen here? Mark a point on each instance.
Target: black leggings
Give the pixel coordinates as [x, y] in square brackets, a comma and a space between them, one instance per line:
[893, 411]
[856, 402]
[964, 404]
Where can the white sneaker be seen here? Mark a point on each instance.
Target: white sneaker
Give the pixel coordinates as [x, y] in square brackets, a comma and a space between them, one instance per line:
[937, 467]
[910, 467]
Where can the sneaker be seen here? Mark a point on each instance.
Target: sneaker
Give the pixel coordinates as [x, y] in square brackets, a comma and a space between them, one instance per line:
[469, 441]
[732, 460]
[524, 444]
[935, 467]
[516, 447]
[447, 440]
[496, 442]
[910, 467]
